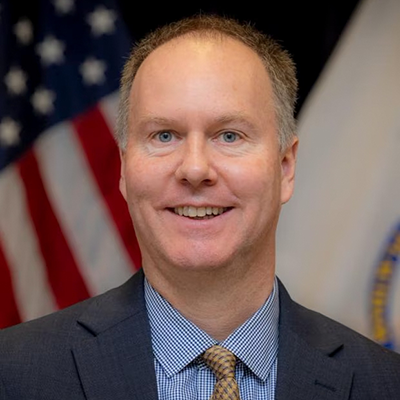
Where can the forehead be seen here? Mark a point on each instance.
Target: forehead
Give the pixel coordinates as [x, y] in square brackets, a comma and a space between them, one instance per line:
[198, 72]
[207, 53]
[203, 44]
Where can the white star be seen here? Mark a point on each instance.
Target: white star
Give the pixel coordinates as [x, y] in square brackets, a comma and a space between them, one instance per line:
[15, 81]
[24, 31]
[92, 71]
[42, 101]
[51, 51]
[9, 132]
[64, 6]
[102, 21]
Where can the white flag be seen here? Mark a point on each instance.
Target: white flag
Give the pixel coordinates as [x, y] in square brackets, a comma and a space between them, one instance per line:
[339, 236]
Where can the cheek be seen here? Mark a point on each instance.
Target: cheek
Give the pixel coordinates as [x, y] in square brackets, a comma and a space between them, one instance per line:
[256, 180]
[140, 179]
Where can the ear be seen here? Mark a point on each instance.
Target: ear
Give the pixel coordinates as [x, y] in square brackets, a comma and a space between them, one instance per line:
[288, 166]
[122, 182]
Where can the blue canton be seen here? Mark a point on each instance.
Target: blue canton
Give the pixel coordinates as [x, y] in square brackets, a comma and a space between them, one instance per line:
[178, 343]
[55, 65]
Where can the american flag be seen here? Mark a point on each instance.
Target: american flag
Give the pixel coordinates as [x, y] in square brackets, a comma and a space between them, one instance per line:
[65, 232]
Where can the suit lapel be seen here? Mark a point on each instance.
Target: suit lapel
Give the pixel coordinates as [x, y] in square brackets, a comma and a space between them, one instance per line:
[307, 367]
[117, 361]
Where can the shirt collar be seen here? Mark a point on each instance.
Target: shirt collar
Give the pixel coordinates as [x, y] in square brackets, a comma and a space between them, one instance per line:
[177, 341]
[256, 341]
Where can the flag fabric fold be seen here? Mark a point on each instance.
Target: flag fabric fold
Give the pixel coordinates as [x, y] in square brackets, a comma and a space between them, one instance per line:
[339, 240]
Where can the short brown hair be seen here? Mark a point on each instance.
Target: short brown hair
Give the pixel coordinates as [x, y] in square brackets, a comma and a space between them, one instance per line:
[277, 61]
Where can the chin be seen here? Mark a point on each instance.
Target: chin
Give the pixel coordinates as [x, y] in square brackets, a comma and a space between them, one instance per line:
[192, 256]
[201, 261]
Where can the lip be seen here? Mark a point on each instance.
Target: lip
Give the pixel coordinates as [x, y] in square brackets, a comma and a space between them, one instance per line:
[196, 205]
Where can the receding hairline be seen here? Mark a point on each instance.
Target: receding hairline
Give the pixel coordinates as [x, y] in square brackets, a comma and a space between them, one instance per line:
[202, 36]
[276, 60]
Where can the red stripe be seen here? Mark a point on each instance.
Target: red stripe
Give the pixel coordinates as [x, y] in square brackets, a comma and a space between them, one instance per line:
[102, 155]
[9, 314]
[62, 270]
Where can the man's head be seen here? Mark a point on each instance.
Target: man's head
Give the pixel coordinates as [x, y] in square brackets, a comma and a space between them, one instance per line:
[204, 171]
[276, 60]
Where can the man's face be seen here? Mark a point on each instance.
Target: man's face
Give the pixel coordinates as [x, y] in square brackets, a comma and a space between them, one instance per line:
[202, 172]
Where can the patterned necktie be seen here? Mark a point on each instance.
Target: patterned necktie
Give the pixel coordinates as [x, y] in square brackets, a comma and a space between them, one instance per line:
[222, 363]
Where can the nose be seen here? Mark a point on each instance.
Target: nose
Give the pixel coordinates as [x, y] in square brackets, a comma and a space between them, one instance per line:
[196, 166]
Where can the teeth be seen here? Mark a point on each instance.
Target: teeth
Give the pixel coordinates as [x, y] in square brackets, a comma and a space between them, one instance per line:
[199, 212]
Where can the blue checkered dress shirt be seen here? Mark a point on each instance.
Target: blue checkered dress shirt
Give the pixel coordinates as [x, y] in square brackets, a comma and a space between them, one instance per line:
[178, 343]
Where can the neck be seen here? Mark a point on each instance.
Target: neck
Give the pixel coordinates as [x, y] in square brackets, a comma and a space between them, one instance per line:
[217, 309]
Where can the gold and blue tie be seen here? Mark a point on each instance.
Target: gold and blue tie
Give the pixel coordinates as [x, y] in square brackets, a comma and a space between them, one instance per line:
[222, 362]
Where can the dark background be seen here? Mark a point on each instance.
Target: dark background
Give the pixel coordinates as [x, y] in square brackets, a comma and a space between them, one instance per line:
[308, 29]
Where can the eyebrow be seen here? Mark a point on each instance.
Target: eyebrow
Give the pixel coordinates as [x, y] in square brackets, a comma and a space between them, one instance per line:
[238, 118]
[149, 119]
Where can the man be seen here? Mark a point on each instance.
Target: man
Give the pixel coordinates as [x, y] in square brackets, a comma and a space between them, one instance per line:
[208, 149]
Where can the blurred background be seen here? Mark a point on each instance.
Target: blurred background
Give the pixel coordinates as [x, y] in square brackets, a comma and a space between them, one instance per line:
[65, 233]
[308, 30]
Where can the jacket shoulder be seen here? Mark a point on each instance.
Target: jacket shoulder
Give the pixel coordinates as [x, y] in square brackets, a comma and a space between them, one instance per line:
[38, 353]
[376, 370]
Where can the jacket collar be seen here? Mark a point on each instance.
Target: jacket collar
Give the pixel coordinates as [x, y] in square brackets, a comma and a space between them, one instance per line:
[116, 360]
[307, 363]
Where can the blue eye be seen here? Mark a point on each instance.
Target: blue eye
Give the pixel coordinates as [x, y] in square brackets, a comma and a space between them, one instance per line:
[165, 136]
[229, 137]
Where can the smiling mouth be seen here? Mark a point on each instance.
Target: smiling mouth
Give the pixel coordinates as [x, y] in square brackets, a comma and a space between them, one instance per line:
[200, 212]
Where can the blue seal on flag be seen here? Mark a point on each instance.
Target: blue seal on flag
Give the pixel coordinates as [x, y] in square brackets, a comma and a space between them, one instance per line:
[382, 293]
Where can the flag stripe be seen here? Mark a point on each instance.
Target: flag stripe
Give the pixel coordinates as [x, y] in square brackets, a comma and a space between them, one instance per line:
[62, 271]
[65, 232]
[109, 108]
[102, 154]
[20, 247]
[9, 314]
[80, 210]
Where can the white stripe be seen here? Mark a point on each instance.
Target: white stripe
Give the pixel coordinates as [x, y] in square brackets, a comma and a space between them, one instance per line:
[109, 108]
[81, 211]
[33, 293]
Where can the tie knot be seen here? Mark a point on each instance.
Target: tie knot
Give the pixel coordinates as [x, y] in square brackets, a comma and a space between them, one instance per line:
[221, 361]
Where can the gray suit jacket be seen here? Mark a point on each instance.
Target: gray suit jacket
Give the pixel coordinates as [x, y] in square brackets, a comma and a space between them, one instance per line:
[101, 349]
